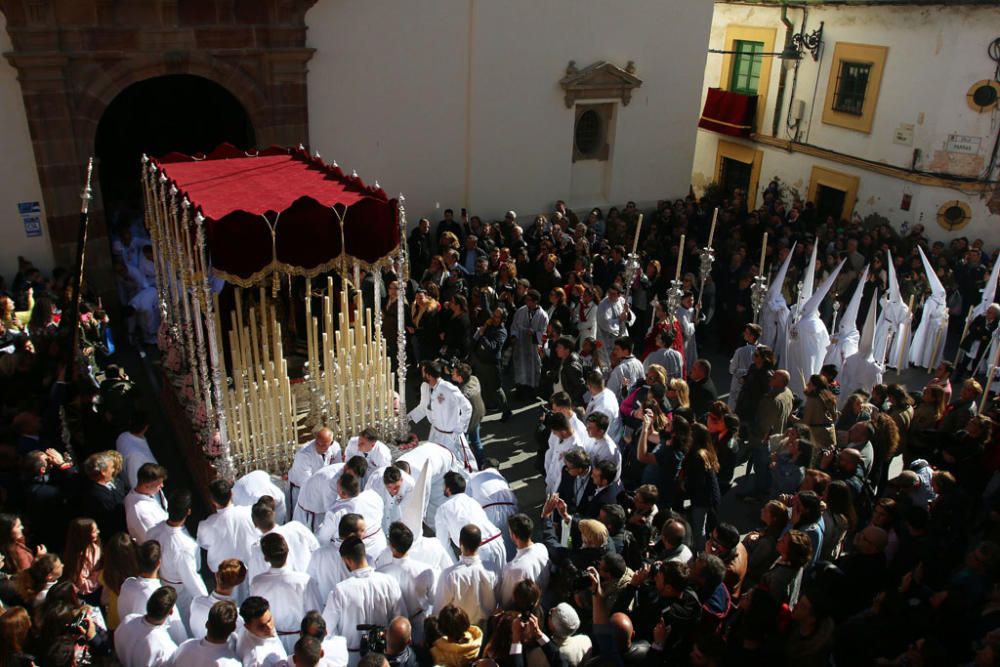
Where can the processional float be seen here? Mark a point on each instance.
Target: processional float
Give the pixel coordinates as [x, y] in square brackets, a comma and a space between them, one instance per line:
[233, 233]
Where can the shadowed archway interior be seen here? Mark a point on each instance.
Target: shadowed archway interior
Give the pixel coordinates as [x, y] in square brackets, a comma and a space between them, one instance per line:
[178, 112]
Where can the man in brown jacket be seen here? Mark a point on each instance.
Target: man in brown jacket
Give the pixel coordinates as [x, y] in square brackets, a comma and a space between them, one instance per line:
[773, 411]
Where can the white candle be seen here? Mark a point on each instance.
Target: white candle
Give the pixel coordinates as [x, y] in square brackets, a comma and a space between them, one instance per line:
[680, 258]
[763, 252]
[638, 230]
[711, 232]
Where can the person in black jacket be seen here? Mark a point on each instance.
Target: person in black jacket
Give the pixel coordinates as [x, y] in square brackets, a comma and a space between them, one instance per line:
[455, 327]
[103, 495]
[487, 348]
[570, 371]
[701, 390]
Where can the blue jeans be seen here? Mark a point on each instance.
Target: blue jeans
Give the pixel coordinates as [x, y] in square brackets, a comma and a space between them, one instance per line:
[476, 445]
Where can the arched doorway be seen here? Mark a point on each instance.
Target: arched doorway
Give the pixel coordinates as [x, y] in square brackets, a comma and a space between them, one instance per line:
[177, 112]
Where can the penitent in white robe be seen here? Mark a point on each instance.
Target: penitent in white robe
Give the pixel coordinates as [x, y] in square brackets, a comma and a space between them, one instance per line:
[528, 329]
[364, 597]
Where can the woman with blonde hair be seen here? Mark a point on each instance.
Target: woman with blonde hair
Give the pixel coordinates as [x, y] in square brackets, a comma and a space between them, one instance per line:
[680, 398]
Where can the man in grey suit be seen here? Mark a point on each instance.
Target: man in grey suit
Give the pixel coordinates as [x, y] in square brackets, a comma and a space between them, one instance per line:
[773, 411]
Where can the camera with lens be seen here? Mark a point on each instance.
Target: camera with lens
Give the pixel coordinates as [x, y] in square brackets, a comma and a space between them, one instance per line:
[372, 638]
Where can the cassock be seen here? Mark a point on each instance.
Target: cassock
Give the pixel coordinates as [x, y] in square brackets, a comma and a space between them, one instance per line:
[136, 452]
[227, 533]
[461, 510]
[610, 325]
[335, 652]
[416, 580]
[132, 598]
[256, 651]
[469, 586]
[390, 513]
[606, 403]
[438, 460]
[379, 457]
[307, 461]
[201, 605]
[424, 549]
[142, 512]
[364, 597]
[301, 545]
[671, 360]
[449, 413]
[528, 330]
[490, 489]
[585, 317]
[202, 653]
[290, 595]
[253, 486]
[739, 366]
[317, 495]
[179, 561]
[630, 368]
[369, 505]
[327, 568]
[139, 643]
[532, 563]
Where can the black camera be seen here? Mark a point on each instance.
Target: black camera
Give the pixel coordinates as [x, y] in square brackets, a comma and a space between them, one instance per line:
[372, 638]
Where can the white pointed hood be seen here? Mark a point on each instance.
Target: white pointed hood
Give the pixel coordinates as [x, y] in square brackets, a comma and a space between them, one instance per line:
[989, 291]
[411, 510]
[774, 296]
[866, 345]
[809, 280]
[849, 320]
[893, 292]
[937, 289]
[812, 305]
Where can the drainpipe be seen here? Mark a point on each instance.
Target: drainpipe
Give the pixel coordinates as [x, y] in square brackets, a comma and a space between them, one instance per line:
[779, 102]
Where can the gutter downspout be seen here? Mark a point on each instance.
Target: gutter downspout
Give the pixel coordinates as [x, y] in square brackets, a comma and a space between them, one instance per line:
[780, 100]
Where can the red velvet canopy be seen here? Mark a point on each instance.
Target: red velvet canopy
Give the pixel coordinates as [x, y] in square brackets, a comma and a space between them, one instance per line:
[281, 210]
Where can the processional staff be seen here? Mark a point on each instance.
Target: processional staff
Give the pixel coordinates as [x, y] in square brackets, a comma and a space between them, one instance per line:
[71, 317]
[759, 290]
[707, 258]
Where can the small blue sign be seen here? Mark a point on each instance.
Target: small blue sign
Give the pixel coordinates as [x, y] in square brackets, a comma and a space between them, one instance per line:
[31, 214]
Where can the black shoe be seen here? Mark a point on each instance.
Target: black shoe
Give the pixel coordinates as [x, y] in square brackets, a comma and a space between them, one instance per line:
[507, 414]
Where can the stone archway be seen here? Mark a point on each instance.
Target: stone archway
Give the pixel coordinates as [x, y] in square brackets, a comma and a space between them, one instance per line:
[74, 57]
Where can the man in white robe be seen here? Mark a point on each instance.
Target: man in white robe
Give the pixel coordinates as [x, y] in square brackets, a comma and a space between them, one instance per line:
[416, 579]
[741, 362]
[179, 554]
[613, 320]
[808, 337]
[258, 644]
[392, 485]
[300, 540]
[602, 400]
[561, 440]
[490, 489]
[145, 505]
[861, 370]
[290, 594]
[468, 584]
[134, 447]
[228, 532]
[364, 597]
[136, 591]
[256, 484]
[844, 342]
[319, 452]
[685, 314]
[927, 347]
[530, 562]
[355, 501]
[527, 329]
[327, 568]
[627, 370]
[367, 444]
[438, 460]
[448, 411]
[461, 510]
[774, 311]
[142, 640]
[216, 647]
[585, 316]
[892, 332]
[320, 491]
[600, 446]
[231, 575]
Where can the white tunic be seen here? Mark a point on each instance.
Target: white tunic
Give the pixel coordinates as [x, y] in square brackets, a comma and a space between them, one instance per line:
[469, 586]
[327, 569]
[379, 457]
[686, 318]
[132, 598]
[416, 580]
[555, 459]
[317, 495]
[202, 653]
[426, 550]
[291, 595]
[256, 484]
[449, 413]
[605, 403]
[138, 643]
[136, 452]
[201, 605]
[439, 460]
[228, 533]
[609, 322]
[364, 597]
[256, 651]
[490, 489]
[528, 563]
[630, 368]
[585, 316]
[142, 512]
[307, 461]
[390, 503]
[369, 505]
[527, 329]
[605, 449]
[301, 545]
[179, 565]
[461, 510]
[739, 366]
[335, 652]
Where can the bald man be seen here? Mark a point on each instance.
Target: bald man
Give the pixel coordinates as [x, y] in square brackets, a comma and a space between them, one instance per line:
[398, 637]
[321, 451]
[864, 569]
[771, 417]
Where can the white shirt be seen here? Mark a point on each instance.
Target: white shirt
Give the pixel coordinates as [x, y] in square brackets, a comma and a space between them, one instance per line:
[132, 598]
[257, 651]
[327, 569]
[291, 595]
[334, 652]
[391, 512]
[605, 449]
[379, 457]
[202, 653]
[456, 513]
[365, 596]
[201, 605]
[301, 545]
[256, 484]
[317, 495]
[307, 461]
[369, 505]
[228, 533]
[555, 459]
[469, 586]
[529, 563]
[444, 406]
[416, 580]
[138, 643]
[179, 563]
[424, 549]
[142, 512]
[606, 403]
[135, 450]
